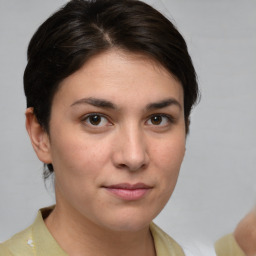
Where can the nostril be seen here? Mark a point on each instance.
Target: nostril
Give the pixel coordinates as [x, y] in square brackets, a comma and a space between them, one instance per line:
[133, 168]
[122, 166]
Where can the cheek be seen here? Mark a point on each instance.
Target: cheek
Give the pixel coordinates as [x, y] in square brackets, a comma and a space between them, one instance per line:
[170, 153]
[78, 164]
[78, 155]
[168, 159]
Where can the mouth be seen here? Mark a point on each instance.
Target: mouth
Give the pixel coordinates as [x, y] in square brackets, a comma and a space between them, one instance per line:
[129, 192]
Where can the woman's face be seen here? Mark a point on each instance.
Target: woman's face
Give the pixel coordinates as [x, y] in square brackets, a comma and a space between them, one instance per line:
[117, 140]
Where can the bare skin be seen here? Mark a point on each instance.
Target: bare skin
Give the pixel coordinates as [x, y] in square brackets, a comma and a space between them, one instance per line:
[245, 233]
[93, 241]
[117, 122]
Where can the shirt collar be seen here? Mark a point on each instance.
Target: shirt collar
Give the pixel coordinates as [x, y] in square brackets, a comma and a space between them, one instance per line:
[43, 241]
[45, 244]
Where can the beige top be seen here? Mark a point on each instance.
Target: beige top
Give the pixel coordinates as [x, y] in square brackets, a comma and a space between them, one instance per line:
[227, 246]
[36, 240]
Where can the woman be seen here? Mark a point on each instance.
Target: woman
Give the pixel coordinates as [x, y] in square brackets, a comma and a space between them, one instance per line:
[110, 87]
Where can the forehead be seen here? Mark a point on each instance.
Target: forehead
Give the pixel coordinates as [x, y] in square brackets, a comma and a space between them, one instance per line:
[115, 60]
[115, 74]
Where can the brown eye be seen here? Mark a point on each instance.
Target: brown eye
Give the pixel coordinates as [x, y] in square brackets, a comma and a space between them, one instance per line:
[159, 120]
[156, 120]
[96, 120]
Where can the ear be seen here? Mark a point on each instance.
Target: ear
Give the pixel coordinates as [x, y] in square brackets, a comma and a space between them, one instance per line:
[38, 136]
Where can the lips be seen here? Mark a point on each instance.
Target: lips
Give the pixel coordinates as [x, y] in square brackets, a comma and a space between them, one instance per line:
[128, 192]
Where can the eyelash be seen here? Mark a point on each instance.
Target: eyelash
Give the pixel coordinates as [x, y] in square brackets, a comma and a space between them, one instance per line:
[85, 118]
[169, 118]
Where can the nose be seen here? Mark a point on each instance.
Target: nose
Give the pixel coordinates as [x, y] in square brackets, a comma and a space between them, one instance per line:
[131, 152]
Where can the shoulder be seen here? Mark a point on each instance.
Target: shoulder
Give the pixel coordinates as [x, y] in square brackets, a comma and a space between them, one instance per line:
[5, 251]
[164, 244]
[227, 246]
[35, 240]
[19, 243]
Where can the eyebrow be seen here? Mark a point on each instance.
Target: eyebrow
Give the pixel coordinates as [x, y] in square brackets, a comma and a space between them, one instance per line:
[101, 103]
[95, 102]
[163, 104]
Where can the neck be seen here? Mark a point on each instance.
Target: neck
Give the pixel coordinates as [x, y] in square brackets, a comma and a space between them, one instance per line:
[79, 236]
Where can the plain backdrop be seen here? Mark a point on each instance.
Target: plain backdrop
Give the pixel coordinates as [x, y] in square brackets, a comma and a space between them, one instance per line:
[217, 180]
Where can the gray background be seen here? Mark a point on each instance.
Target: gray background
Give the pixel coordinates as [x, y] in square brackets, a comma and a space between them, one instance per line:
[217, 181]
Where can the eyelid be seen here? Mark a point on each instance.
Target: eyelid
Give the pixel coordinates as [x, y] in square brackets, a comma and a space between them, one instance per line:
[170, 118]
[85, 117]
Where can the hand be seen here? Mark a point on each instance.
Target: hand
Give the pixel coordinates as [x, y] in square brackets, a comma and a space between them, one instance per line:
[245, 233]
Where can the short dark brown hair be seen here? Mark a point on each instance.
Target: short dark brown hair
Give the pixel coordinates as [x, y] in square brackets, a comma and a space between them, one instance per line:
[84, 28]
